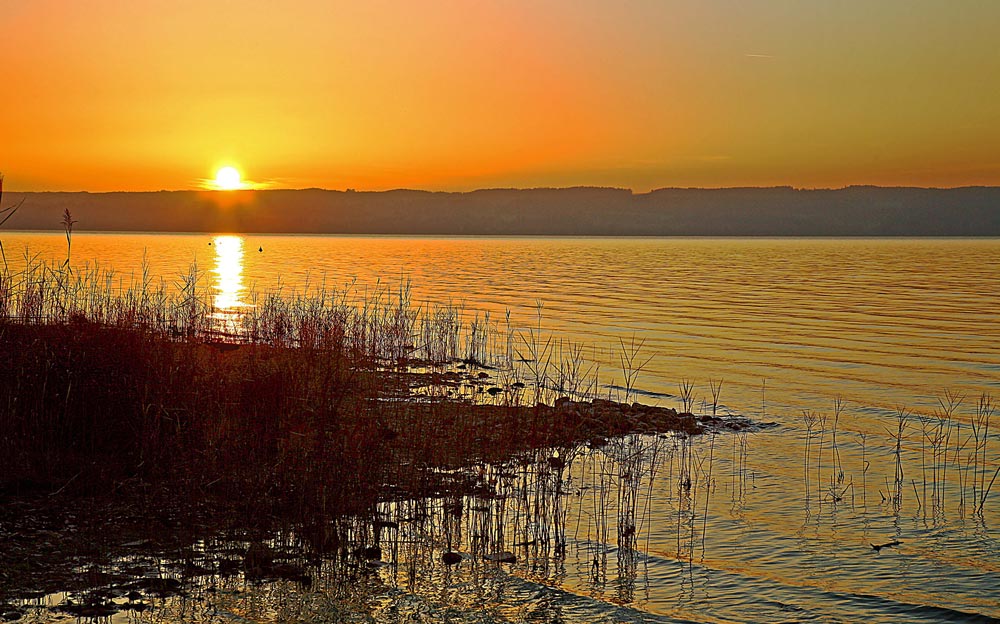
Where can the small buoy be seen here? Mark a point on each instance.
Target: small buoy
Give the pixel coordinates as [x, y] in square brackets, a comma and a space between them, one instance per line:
[260, 249]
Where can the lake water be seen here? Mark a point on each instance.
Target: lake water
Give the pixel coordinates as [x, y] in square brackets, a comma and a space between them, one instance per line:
[788, 326]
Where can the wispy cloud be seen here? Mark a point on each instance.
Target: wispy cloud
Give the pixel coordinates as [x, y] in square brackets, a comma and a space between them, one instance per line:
[764, 56]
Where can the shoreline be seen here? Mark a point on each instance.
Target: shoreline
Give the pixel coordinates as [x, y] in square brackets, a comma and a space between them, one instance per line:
[426, 448]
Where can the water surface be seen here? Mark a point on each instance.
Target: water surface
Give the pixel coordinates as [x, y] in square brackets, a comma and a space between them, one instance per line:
[788, 325]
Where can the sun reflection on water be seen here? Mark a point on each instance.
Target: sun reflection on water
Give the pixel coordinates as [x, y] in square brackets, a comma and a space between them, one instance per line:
[228, 280]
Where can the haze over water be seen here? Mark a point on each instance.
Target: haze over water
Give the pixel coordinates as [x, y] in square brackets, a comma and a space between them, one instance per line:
[788, 324]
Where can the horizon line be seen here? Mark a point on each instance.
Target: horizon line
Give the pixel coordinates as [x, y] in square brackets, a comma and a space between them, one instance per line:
[529, 188]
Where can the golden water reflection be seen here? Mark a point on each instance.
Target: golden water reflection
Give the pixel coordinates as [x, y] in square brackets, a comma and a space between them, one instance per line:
[228, 284]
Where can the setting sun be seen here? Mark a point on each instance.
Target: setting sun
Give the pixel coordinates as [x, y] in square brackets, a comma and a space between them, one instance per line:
[228, 179]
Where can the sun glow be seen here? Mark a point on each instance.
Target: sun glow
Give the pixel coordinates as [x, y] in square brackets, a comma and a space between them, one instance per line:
[228, 179]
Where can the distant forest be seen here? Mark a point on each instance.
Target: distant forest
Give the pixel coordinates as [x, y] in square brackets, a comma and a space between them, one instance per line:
[583, 211]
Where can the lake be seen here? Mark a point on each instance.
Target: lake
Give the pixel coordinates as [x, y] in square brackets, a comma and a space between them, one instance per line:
[782, 524]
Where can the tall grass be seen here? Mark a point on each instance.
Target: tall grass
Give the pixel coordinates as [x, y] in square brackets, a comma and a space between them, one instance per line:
[298, 403]
[117, 378]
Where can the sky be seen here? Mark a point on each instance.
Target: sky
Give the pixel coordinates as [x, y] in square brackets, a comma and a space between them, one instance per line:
[105, 95]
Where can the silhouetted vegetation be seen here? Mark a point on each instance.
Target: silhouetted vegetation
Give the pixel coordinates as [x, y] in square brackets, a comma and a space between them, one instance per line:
[136, 413]
[303, 405]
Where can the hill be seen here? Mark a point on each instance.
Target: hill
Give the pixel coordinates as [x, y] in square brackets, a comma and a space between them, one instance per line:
[582, 211]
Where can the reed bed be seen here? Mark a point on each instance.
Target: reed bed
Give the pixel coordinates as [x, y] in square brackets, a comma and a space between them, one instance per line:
[341, 420]
[933, 462]
[119, 379]
[300, 403]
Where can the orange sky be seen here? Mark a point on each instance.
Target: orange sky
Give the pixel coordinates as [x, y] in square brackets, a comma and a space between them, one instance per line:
[106, 95]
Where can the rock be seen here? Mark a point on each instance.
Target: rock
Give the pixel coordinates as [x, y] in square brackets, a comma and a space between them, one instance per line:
[10, 616]
[451, 558]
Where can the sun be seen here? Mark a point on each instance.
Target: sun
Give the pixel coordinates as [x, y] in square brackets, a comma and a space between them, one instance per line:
[228, 179]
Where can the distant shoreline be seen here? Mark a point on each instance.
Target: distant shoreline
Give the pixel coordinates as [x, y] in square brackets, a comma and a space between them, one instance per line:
[77, 232]
[857, 211]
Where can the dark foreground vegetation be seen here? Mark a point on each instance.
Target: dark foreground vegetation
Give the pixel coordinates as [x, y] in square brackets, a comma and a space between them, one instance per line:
[136, 414]
[92, 409]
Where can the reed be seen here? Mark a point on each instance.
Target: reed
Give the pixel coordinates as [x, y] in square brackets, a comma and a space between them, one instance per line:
[536, 354]
[686, 393]
[837, 478]
[821, 420]
[865, 465]
[68, 222]
[810, 419]
[980, 432]
[716, 387]
[902, 417]
[632, 364]
[949, 403]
